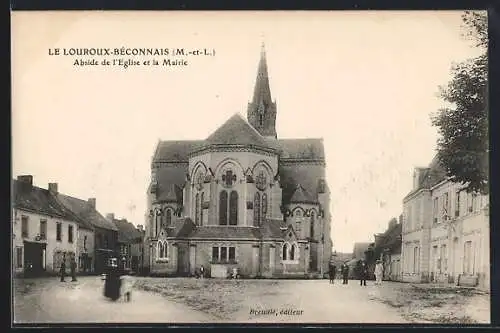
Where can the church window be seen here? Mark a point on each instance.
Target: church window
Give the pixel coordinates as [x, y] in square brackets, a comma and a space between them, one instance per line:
[256, 210]
[158, 221]
[233, 208]
[298, 213]
[261, 181]
[197, 209]
[162, 249]
[313, 221]
[169, 217]
[292, 252]
[201, 207]
[223, 208]
[264, 205]
[285, 251]
[261, 119]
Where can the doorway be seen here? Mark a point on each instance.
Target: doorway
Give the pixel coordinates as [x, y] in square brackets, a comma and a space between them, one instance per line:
[34, 258]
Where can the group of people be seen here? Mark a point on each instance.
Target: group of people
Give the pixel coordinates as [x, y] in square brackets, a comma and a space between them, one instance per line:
[72, 268]
[363, 273]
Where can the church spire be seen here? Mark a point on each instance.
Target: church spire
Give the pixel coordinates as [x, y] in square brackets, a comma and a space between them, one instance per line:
[262, 91]
[261, 112]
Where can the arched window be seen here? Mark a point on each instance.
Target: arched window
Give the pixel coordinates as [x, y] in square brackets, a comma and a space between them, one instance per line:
[264, 205]
[233, 208]
[197, 209]
[285, 251]
[256, 210]
[261, 119]
[162, 250]
[201, 207]
[157, 221]
[292, 252]
[313, 220]
[298, 213]
[169, 217]
[223, 208]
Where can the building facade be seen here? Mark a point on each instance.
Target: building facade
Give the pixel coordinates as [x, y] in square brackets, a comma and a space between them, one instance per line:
[387, 249]
[240, 199]
[44, 232]
[130, 244]
[445, 231]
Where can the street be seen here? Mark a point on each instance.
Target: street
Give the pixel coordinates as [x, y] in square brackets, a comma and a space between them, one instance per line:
[274, 301]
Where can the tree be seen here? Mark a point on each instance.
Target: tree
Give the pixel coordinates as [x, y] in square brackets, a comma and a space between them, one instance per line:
[463, 146]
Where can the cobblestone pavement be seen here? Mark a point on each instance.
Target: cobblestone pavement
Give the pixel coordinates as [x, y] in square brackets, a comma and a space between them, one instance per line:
[302, 301]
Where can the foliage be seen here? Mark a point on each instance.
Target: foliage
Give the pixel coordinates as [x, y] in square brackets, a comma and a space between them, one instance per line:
[463, 146]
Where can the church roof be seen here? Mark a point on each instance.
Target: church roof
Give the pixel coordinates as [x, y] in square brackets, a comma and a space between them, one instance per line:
[303, 149]
[262, 90]
[175, 151]
[172, 193]
[300, 195]
[237, 131]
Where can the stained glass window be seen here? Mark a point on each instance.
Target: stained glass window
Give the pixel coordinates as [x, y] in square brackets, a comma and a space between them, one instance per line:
[256, 210]
[233, 208]
[223, 208]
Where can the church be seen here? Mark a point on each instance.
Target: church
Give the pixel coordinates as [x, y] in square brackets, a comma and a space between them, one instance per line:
[240, 199]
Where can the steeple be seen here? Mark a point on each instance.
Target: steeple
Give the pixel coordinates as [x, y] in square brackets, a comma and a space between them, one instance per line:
[261, 111]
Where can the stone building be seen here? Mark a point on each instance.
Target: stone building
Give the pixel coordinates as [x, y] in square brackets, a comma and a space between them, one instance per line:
[44, 231]
[387, 249]
[130, 244]
[241, 198]
[445, 231]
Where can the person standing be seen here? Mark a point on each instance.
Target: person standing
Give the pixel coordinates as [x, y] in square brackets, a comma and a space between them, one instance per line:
[331, 273]
[63, 267]
[73, 269]
[379, 272]
[363, 273]
[345, 273]
[202, 272]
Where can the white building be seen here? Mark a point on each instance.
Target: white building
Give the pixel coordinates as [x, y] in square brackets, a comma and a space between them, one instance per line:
[445, 231]
[43, 230]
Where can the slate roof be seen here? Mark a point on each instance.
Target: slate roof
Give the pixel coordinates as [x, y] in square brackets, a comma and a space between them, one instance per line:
[170, 178]
[237, 131]
[176, 151]
[308, 149]
[301, 195]
[430, 176]
[82, 209]
[307, 175]
[42, 201]
[127, 232]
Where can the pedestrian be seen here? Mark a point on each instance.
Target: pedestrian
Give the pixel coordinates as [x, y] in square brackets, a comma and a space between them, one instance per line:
[379, 272]
[345, 273]
[331, 272]
[73, 269]
[363, 273]
[202, 271]
[62, 270]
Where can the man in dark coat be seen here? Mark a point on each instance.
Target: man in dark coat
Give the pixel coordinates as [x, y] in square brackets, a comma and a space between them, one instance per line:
[331, 273]
[63, 268]
[345, 273]
[363, 273]
[73, 269]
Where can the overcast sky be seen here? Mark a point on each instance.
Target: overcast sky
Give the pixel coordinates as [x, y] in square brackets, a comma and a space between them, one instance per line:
[364, 81]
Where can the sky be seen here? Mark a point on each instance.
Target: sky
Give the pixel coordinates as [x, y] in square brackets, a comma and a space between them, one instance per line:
[366, 82]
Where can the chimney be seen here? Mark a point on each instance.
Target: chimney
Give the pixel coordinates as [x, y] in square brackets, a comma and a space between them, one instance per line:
[110, 216]
[92, 202]
[28, 179]
[53, 188]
